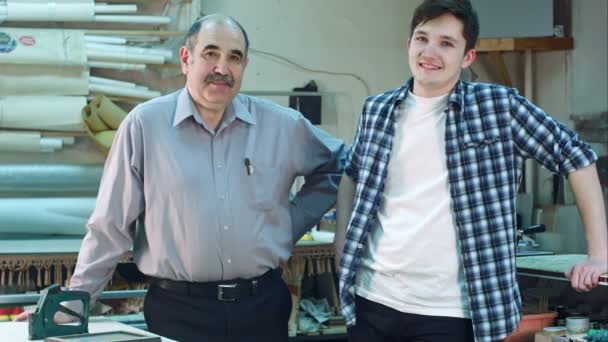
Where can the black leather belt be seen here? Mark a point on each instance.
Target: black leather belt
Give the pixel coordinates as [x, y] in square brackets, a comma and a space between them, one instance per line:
[225, 290]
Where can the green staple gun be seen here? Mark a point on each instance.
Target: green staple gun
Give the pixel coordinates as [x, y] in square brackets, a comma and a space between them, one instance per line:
[41, 322]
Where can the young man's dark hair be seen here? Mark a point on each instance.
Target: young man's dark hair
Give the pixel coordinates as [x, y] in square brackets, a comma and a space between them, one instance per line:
[461, 9]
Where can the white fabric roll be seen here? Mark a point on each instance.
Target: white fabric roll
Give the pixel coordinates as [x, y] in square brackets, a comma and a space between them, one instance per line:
[128, 49]
[12, 141]
[16, 79]
[45, 215]
[20, 141]
[117, 56]
[99, 8]
[117, 66]
[109, 81]
[133, 19]
[51, 144]
[45, 47]
[104, 39]
[123, 91]
[44, 10]
[2, 12]
[53, 113]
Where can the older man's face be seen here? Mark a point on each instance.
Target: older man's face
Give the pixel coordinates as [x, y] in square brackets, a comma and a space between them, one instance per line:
[215, 65]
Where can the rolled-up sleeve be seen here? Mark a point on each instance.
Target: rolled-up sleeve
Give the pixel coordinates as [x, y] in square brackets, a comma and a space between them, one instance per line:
[539, 136]
[110, 229]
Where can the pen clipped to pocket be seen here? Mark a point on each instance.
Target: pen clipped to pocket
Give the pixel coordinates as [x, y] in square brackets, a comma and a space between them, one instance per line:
[248, 167]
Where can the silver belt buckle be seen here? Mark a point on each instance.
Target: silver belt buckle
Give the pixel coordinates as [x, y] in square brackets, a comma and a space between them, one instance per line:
[220, 292]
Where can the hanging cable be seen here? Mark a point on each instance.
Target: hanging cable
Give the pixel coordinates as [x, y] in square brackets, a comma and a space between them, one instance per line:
[318, 71]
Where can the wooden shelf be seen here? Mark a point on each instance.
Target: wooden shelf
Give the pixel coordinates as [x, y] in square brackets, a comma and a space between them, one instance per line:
[496, 47]
[523, 44]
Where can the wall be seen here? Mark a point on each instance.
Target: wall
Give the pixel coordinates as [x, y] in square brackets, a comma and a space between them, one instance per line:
[575, 82]
[362, 37]
[349, 36]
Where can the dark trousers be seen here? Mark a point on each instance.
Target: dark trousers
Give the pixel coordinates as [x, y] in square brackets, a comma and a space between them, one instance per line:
[183, 317]
[377, 322]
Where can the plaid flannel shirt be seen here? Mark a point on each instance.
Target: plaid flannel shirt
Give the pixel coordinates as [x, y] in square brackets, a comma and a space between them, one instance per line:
[490, 131]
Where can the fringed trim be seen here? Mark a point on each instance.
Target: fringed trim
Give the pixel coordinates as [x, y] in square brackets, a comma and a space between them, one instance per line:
[37, 270]
[314, 259]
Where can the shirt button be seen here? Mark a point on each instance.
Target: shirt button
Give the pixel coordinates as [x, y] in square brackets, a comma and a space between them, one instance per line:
[359, 246]
[219, 166]
[222, 197]
[370, 216]
[229, 260]
[226, 227]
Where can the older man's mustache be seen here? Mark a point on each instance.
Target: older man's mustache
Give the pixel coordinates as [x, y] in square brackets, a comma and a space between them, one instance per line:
[221, 78]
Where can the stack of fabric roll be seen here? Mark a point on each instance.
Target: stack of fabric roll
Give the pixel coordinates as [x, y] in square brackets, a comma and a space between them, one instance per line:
[102, 118]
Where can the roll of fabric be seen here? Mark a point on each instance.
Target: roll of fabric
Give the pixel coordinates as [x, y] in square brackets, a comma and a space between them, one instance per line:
[24, 79]
[15, 141]
[102, 118]
[107, 111]
[93, 121]
[36, 179]
[66, 216]
[35, 46]
[49, 113]
[20, 141]
[44, 10]
[105, 138]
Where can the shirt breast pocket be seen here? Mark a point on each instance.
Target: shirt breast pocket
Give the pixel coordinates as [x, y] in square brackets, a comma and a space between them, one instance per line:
[486, 155]
[262, 183]
[479, 143]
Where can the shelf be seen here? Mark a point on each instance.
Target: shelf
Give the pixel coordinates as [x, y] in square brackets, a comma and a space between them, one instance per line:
[496, 47]
[523, 44]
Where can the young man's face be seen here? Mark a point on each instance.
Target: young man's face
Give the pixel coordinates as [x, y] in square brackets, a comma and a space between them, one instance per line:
[437, 55]
[215, 66]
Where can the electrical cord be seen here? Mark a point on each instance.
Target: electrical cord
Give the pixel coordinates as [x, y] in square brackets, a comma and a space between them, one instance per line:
[318, 71]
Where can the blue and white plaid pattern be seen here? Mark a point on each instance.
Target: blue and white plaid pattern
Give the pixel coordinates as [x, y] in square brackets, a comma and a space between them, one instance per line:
[490, 131]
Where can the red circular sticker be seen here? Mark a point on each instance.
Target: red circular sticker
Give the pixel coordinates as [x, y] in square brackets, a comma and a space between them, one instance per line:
[27, 40]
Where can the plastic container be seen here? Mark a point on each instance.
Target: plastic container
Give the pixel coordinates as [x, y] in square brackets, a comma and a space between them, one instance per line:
[529, 325]
[577, 325]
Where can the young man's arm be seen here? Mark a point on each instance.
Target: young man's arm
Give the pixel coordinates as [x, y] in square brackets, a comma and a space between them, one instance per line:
[586, 188]
[344, 209]
[560, 150]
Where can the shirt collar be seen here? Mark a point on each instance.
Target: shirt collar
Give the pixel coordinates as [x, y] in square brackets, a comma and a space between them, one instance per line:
[238, 109]
[456, 95]
[185, 108]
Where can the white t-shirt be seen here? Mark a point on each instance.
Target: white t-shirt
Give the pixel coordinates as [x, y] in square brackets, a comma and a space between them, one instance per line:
[411, 262]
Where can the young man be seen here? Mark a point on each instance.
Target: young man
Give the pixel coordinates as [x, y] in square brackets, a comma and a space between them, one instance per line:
[206, 172]
[429, 195]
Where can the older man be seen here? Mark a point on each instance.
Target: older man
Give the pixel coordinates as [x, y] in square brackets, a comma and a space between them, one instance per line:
[206, 173]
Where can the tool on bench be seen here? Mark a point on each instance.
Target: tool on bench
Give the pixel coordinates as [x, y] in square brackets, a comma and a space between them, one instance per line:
[41, 323]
